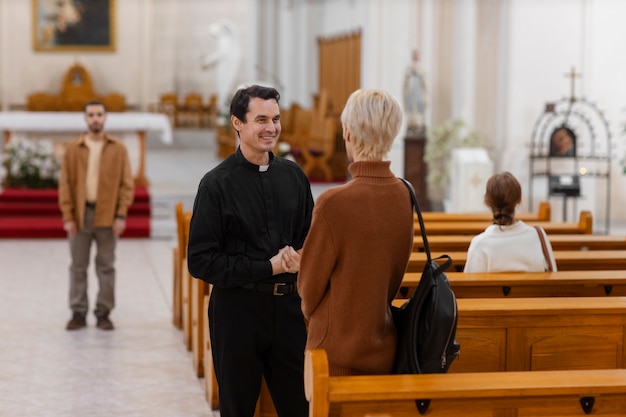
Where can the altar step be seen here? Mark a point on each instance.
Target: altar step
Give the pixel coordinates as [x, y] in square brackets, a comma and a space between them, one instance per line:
[34, 213]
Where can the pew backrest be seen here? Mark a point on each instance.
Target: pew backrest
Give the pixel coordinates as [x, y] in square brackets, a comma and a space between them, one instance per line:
[555, 393]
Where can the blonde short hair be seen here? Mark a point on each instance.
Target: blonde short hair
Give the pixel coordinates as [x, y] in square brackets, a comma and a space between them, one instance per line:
[373, 118]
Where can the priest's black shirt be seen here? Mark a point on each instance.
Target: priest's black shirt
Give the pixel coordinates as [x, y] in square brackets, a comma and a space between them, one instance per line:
[242, 217]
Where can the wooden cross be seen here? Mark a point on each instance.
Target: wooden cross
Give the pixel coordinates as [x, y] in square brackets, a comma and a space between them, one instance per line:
[572, 76]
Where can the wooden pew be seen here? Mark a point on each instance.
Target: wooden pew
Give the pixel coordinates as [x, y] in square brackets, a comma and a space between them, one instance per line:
[186, 280]
[535, 334]
[566, 260]
[210, 382]
[442, 243]
[583, 226]
[528, 284]
[199, 289]
[179, 252]
[543, 214]
[547, 393]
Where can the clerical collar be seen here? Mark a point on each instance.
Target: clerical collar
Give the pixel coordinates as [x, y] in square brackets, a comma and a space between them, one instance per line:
[263, 168]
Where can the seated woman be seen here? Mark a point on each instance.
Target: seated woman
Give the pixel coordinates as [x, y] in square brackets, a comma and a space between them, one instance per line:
[508, 245]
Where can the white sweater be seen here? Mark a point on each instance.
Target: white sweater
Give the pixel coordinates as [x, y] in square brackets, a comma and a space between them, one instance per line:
[514, 248]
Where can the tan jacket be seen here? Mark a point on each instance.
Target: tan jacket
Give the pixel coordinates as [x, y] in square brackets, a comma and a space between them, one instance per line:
[116, 186]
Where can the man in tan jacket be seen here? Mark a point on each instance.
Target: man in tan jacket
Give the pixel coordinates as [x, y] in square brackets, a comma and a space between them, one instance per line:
[95, 190]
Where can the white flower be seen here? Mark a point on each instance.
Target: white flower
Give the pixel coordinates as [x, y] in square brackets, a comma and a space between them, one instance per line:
[30, 164]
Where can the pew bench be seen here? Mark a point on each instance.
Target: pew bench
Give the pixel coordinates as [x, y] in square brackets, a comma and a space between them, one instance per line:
[539, 334]
[521, 334]
[547, 393]
[527, 284]
[442, 243]
[543, 214]
[566, 260]
[583, 226]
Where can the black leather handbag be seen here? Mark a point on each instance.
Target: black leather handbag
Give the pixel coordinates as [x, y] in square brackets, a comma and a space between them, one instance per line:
[426, 323]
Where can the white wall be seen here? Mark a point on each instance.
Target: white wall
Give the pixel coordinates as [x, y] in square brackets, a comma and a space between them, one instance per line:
[534, 45]
[545, 40]
[159, 44]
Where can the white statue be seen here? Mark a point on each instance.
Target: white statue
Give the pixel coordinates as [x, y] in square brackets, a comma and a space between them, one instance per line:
[415, 96]
[225, 59]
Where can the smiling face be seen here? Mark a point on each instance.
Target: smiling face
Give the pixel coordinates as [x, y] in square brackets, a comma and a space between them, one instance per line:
[259, 133]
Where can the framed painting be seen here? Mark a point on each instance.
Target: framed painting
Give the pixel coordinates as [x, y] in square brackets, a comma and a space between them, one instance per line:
[562, 142]
[74, 25]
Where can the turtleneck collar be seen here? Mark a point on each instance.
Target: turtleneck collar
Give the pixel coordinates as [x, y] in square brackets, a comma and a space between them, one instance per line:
[376, 169]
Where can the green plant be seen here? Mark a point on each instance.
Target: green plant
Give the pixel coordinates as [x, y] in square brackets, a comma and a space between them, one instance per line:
[453, 133]
[30, 164]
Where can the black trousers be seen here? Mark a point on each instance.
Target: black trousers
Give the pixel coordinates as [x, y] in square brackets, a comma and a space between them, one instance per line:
[253, 335]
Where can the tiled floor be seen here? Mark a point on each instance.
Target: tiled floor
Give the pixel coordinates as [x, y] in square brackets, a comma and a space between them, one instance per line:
[142, 367]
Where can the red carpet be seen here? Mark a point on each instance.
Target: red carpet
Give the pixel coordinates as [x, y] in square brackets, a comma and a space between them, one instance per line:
[34, 213]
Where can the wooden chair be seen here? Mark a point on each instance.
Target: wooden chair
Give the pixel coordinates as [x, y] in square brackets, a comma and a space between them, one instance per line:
[319, 147]
[301, 125]
[42, 102]
[190, 113]
[210, 113]
[226, 140]
[168, 105]
[114, 102]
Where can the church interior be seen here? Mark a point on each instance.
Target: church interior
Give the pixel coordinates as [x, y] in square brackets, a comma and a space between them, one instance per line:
[526, 86]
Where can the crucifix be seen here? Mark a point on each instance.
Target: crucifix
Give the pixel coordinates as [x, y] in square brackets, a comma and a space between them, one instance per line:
[572, 76]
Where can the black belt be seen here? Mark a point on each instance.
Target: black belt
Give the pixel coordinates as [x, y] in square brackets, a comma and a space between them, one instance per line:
[88, 204]
[274, 288]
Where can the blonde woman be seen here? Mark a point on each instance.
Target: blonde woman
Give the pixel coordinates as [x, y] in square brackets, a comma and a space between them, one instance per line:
[357, 249]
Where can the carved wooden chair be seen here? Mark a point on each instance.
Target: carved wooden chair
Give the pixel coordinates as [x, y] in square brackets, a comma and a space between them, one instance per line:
[114, 102]
[168, 105]
[319, 147]
[190, 113]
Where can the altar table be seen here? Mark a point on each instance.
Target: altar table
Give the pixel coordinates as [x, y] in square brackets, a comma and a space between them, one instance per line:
[67, 125]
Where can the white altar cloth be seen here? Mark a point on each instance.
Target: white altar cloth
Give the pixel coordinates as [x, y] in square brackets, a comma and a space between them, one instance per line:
[55, 122]
[60, 127]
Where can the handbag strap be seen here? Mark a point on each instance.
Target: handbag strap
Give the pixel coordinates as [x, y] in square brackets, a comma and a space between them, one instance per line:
[419, 217]
[544, 247]
[448, 260]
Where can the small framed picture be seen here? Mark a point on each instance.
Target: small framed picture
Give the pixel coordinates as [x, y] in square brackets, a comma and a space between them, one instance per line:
[563, 142]
[73, 25]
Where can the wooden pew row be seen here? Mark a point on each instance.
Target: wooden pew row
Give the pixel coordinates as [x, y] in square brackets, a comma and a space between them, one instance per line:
[547, 393]
[455, 243]
[210, 381]
[533, 334]
[583, 226]
[566, 260]
[543, 214]
[186, 287]
[528, 284]
[179, 253]
[538, 334]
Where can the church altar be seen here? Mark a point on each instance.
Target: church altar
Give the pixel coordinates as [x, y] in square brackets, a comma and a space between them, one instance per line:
[131, 127]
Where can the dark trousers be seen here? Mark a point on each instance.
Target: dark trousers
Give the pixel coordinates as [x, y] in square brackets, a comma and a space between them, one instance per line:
[253, 335]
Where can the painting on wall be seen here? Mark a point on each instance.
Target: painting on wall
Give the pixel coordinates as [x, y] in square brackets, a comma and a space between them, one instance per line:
[73, 25]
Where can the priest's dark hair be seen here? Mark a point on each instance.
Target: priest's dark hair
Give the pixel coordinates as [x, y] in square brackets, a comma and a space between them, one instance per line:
[241, 99]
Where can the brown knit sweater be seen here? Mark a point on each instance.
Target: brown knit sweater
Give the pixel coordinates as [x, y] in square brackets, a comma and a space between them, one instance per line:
[352, 265]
